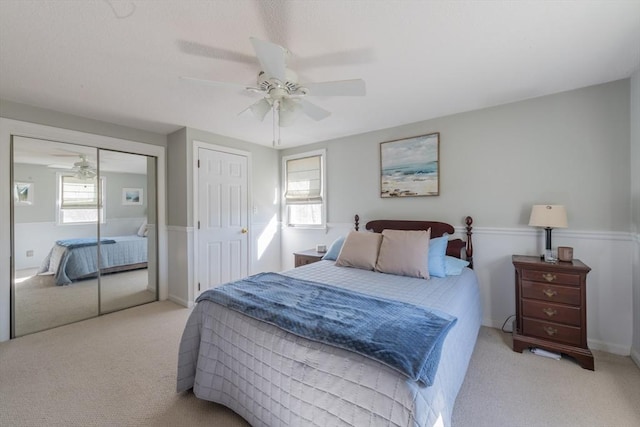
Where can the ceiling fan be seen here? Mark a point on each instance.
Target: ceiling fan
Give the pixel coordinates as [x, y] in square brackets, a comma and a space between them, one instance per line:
[282, 93]
[84, 169]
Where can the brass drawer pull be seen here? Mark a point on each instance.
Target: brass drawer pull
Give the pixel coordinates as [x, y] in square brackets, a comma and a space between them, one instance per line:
[549, 311]
[549, 292]
[549, 277]
[550, 331]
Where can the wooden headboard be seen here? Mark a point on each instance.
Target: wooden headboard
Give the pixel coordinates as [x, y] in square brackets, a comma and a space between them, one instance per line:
[454, 247]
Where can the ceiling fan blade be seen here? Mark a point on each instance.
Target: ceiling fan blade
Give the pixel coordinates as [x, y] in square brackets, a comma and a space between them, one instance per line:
[220, 84]
[344, 57]
[195, 48]
[313, 111]
[272, 58]
[355, 87]
[259, 109]
[59, 166]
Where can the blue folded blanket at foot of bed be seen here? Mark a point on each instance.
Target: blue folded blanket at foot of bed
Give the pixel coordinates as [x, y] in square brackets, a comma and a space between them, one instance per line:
[405, 337]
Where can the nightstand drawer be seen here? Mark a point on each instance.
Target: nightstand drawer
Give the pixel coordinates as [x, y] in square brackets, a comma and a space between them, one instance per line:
[569, 315]
[552, 293]
[304, 260]
[551, 277]
[551, 331]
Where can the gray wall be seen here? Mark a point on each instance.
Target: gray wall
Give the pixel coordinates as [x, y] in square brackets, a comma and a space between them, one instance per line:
[28, 113]
[635, 208]
[178, 211]
[570, 148]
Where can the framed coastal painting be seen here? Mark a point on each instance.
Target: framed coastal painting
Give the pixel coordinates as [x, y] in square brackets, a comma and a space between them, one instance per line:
[23, 193]
[132, 196]
[410, 167]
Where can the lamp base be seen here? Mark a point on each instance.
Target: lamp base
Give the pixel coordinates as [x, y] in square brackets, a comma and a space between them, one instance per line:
[550, 256]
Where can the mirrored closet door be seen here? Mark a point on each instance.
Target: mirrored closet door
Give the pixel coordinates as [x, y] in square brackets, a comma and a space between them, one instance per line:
[84, 239]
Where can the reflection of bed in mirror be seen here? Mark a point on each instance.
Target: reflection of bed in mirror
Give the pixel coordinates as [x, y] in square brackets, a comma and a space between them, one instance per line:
[76, 259]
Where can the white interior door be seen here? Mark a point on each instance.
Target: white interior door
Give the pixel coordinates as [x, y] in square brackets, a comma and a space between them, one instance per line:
[222, 218]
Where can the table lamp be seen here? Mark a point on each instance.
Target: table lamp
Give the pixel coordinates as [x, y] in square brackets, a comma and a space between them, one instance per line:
[549, 217]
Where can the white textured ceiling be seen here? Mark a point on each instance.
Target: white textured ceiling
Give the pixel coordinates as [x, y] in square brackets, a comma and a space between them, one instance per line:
[120, 61]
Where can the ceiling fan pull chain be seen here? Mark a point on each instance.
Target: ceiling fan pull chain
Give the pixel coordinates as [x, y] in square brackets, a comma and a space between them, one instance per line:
[273, 116]
[279, 127]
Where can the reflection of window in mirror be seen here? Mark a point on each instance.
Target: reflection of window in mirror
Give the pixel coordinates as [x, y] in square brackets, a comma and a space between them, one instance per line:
[78, 199]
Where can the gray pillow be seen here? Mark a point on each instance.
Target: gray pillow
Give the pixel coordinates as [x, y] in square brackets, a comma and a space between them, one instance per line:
[404, 253]
[360, 250]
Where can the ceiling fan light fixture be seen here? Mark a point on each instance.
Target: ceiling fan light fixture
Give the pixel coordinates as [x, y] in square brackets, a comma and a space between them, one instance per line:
[83, 169]
[85, 174]
[259, 109]
[288, 112]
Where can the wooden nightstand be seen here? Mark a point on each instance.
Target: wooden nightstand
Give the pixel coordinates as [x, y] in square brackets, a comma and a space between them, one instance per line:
[307, 257]
[551, 307]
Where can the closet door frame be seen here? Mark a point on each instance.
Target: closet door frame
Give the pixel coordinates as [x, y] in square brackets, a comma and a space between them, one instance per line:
[9, 127]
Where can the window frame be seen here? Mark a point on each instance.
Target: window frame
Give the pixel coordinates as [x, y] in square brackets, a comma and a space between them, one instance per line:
[101, 196]
[322, 153]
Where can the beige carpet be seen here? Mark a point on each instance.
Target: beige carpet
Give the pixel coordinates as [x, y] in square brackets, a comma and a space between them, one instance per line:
[119, 370]
[40, 304]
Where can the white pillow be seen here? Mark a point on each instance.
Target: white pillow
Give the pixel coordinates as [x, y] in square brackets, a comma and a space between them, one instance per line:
[404, 253]
[142, 231]
[360, 250]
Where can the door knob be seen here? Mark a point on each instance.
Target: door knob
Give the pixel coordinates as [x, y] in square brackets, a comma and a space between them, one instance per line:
[244, 230]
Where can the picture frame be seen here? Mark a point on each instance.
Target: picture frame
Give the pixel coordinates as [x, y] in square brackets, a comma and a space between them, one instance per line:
[410, 167]
[23, 193]
[132, 196]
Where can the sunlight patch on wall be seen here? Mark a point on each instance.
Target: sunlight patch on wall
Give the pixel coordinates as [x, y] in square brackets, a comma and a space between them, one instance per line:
[267, 235]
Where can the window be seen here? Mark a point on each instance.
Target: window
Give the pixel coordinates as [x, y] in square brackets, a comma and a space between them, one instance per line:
[80, 200]
[304, 195]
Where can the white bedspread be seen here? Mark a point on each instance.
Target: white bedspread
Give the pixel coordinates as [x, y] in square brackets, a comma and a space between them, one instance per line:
[273, 378]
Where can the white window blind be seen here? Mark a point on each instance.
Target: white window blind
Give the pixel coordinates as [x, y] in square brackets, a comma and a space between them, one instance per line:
[79, 193]
[304, 181]
[81, 201]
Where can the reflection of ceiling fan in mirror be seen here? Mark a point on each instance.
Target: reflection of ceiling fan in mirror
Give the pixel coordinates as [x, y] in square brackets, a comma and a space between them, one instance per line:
[282, 94]
[84, 169]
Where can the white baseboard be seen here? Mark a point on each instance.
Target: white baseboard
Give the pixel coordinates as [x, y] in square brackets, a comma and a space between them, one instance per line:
[620, 350]
[180, 301]
[635, 356]
[593, 344]
[497, 324]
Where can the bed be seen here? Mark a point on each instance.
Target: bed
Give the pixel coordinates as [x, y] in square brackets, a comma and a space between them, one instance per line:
[273, 377]
[76, 259]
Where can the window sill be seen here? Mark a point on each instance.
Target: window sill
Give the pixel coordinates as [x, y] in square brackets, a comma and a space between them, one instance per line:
[306, 227]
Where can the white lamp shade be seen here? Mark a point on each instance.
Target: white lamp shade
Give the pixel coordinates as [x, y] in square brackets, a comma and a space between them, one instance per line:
[548, 216]
[288, 112]
[259, 109]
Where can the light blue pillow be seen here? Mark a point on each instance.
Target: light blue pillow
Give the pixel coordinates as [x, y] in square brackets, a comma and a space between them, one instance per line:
[437, 253]
[454, 266]
[334, 249]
